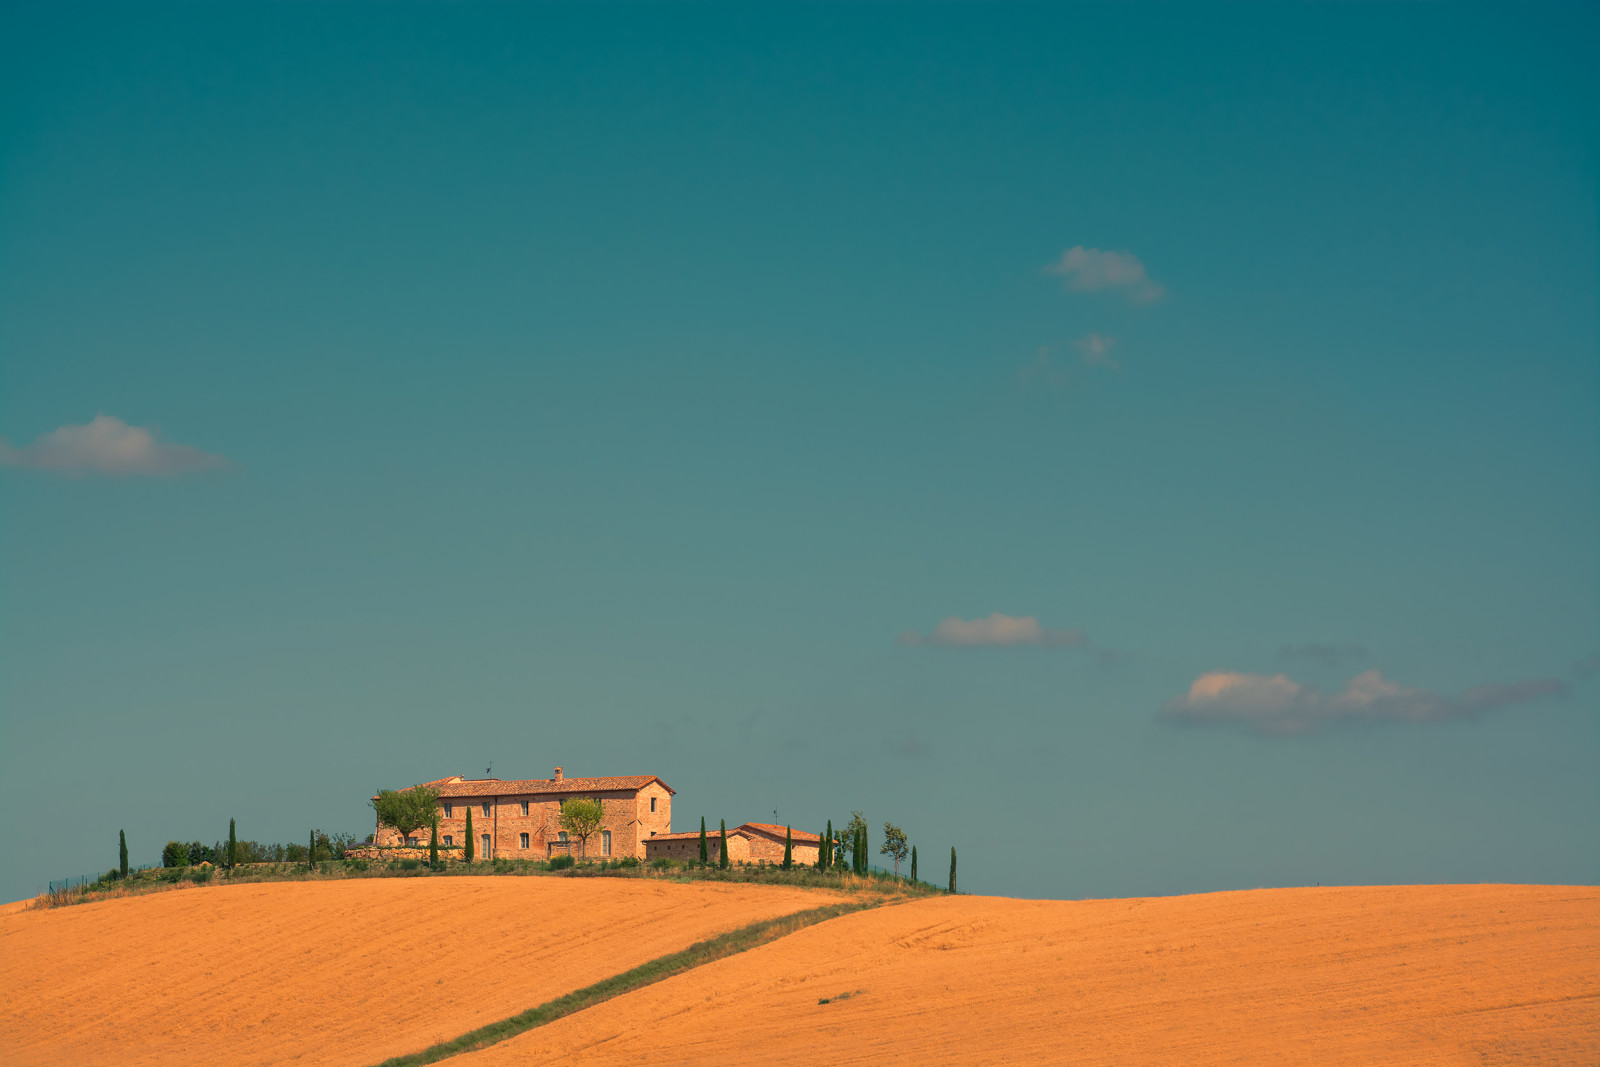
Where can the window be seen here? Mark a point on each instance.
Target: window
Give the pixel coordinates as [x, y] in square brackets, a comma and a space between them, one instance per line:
[411, 842]
[605, 842]
[449, 840]
[486, 807]
[449, 811]
[485, 840]
[562, 837]
[652, 803]
[524, 841]
[524, 811]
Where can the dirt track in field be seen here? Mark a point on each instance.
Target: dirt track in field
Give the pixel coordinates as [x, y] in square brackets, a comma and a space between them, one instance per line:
[1358, 976]
[344, 973]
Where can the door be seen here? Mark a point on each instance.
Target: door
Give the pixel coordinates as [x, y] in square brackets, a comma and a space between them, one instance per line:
[485, 840]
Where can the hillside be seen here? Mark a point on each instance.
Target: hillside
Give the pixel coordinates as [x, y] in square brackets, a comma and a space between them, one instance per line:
[1396, 975]
[333, 972]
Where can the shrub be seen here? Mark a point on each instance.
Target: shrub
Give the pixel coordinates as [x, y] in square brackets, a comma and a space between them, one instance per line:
[410, 865]
[628, 861]
[561, 863]
[357, 865]
[661, 863]
[203, 875]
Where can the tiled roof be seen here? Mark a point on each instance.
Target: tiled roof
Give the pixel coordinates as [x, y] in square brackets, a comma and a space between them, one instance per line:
[779, 831]
[800, 836]
[456, 786]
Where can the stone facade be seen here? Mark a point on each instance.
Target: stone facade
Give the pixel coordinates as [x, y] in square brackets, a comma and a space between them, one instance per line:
[749, 842]
[519, 818]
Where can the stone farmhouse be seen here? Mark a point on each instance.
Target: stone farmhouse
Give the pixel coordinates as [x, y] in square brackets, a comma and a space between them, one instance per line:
[751, 842]
[518, 818]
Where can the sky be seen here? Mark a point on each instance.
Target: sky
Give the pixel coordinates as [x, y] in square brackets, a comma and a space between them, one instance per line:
[1150, 450]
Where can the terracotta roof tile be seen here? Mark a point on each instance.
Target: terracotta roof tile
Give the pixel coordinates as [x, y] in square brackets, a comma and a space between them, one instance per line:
[779, 831]
[456, 786]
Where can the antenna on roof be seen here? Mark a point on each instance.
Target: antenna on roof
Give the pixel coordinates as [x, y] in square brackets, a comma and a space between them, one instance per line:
[488, 769]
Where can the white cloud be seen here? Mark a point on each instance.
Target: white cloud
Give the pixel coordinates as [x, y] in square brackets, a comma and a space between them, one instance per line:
[1091, 269]
[1277, 704]
[108, 446]
[1096, 351]
[996, 630]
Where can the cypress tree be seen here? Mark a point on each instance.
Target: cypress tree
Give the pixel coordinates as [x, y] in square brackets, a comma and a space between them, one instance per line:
[433, 845]
[233, 845]
[861, 850]
[826, 851]
[469, 847]
[704, 849]
[952, 868]
[788, 848]
[122, 848]
[722, 861]
[913, 863]
[822, 846]
[311, 852]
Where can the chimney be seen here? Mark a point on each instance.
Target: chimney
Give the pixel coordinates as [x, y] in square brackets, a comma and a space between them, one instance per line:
[558, 774]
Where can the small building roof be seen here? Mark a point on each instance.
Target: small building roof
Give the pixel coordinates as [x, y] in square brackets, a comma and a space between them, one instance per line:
[744, 829]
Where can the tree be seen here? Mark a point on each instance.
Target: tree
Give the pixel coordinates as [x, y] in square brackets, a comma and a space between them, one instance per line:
[822, 852]
[705, 853]
[470, 846]
[788, 848]
[175, 854]
[862, 862]
[581, 817]
[311, 851]
[406, 810]
[233, 845]
[825, 848]
[854, 833]
[952, 868]
[722, 858]
[894, 845]
[913, 863]
[122, 849]
[433, 846]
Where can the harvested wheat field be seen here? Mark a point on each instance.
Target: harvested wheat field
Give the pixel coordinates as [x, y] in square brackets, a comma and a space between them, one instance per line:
[1399, 975]
[345, 972]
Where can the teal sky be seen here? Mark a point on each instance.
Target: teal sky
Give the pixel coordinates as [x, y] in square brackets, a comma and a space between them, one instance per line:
[1031, 425]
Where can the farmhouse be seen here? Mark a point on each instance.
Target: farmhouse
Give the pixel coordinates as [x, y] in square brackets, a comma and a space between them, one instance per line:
[751, 842]
[519, 818]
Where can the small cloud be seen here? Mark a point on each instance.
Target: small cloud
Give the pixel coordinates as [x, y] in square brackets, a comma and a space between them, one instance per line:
[996, 630]
[111, 447]
[1096, 351]
[1091, 270]
[1277, 704]
[1327, 655]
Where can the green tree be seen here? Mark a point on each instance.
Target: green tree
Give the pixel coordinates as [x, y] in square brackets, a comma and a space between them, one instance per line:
[853, 836]
[311, 851]
[406, 810]
[864, 862]
[433, 846]
[175, 854]
[705, 853]
[788, 848]
[122, 851]
[470, 846]
[581, 817]
[952, 868]
[233, 845]
[913, 863]
[722, 857]
[894, 845]
[825, 848]
[822, 852]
